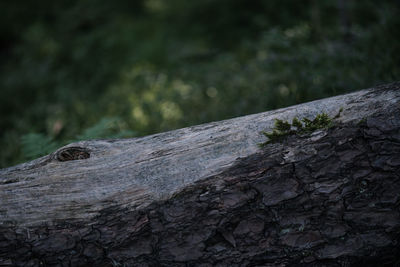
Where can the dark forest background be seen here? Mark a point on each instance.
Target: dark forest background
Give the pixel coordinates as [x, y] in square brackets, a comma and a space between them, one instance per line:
[75, 70]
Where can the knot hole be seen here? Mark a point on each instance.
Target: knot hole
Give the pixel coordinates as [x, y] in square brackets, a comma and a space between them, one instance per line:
[72, 153]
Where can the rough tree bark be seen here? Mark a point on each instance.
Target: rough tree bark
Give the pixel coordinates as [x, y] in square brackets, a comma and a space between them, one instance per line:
[209, 196]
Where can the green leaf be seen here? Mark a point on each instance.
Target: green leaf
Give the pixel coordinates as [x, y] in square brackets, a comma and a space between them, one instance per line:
[283, 126]
[297, 123]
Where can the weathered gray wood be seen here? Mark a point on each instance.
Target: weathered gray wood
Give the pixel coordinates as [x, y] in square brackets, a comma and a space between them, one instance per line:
[173, 198]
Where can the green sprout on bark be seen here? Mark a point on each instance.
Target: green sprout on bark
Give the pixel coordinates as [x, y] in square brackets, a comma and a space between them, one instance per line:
[282, 128]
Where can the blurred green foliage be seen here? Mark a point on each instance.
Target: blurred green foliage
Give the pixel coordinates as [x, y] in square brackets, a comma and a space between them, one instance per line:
[74, 70]
[35, 145]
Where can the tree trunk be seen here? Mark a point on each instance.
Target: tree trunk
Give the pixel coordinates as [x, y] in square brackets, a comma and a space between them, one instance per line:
[208, 195]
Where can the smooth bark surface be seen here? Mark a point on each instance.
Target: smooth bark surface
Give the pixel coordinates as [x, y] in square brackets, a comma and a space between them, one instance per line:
[208, 195]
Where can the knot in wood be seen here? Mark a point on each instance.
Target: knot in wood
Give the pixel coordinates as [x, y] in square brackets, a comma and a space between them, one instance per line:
[72, 153]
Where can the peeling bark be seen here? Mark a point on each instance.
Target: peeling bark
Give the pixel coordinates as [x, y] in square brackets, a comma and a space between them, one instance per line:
[208, 196]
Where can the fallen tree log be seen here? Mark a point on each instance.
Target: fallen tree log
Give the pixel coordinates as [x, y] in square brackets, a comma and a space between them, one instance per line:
[209, 195]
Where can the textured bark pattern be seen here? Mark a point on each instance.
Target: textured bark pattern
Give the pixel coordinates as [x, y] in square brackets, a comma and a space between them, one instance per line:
[329, 199]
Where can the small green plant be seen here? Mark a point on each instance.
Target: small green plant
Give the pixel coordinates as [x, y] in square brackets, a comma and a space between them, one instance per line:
[362, 122]
[282, 128]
